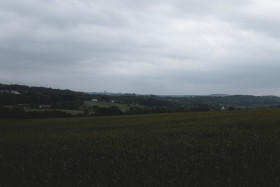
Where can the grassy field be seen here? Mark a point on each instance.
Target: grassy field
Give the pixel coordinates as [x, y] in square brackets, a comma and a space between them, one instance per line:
[122, 107]
[237, 148]
[73, 112]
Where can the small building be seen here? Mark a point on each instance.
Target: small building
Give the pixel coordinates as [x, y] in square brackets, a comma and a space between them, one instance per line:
[24, 105]
[15, 92]
[94, 100]
[45, 106]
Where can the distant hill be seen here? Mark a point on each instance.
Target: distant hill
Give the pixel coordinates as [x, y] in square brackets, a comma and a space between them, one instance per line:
[12, 95]
[237, 101]
[219, 95]
[35, 96]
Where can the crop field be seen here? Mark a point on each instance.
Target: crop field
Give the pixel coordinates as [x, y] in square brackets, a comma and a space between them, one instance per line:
[73, 112]
[122, 107]
[231, 148]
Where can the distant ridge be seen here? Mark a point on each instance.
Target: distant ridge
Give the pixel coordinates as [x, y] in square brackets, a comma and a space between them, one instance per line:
[219, 95]
[12, 95]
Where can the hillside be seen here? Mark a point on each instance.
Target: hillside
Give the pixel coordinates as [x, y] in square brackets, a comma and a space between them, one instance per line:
[116, 104]
[35, 96]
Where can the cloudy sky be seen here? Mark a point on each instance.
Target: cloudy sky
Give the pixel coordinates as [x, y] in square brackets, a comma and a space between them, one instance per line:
[144, 47]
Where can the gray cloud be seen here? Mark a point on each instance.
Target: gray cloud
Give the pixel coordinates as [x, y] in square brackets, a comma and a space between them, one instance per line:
[160, 47]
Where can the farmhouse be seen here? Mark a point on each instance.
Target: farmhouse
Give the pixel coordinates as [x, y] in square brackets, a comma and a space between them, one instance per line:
[45, 106]
[24, 105]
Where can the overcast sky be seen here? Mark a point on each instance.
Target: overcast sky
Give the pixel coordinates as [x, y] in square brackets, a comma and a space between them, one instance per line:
[144, 47]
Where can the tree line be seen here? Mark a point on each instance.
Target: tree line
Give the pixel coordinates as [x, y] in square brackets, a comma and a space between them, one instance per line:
[15, 96]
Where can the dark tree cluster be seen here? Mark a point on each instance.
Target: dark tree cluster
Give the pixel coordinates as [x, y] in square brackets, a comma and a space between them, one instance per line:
[35, 96]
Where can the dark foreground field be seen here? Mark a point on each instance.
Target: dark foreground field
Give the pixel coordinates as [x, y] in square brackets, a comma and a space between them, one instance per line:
[239, 148]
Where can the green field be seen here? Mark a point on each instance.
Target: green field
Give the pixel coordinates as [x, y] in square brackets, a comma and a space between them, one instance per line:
[236, 148]
[73, 112]
[105, 104]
